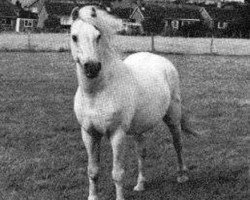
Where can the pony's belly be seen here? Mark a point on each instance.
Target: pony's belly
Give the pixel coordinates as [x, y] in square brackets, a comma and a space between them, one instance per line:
[149, 114]
[143, 124]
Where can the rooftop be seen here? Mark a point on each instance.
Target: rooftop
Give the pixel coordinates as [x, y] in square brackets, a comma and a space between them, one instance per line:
[7, 9]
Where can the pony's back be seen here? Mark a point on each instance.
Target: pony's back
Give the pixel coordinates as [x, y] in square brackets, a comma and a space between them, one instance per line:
[153, 70]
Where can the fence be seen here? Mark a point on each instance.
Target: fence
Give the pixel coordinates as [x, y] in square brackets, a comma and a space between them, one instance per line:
[60, 42]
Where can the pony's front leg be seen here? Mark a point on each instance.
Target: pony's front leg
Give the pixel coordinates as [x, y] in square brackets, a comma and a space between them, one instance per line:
[141, 155]
[92, 141]
[118, 140]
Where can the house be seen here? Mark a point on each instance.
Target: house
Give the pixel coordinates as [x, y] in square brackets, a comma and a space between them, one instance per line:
[38, 7]
[130, 27]
[231, 22]
[178, 16]
[26, 21]
[174, 16]
[55, 9]
[223, 18]
[8, 16]
[145, 12]
[14, 18]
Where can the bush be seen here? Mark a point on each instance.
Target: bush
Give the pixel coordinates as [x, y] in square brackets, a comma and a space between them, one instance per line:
[239, 29]
[154, 24]
[197, 29]
[52, 24]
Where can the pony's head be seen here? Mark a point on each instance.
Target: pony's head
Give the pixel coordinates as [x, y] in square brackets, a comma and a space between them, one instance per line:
[90, 32]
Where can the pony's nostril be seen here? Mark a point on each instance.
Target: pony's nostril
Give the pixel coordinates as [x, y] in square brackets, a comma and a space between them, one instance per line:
[87, 65]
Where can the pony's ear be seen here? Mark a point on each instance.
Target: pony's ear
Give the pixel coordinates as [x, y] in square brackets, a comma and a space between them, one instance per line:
[75, 13]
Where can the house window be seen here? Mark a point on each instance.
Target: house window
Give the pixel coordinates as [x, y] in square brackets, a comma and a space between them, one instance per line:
[28, 23]
[66, 20]
[183, 23]
[222, 25]
[3, 21]
[175, 24]
[6, 21]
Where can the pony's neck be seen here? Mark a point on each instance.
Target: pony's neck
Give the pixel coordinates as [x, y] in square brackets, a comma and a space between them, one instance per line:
[109, 59]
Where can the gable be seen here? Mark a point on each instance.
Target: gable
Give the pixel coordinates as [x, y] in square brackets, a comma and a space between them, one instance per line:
[137, 15]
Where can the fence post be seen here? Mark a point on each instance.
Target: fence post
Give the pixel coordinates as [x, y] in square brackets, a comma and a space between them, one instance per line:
[29, 41]
[152, 43]
[212, 45]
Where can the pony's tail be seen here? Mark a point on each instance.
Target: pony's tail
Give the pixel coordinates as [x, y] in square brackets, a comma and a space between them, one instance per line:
[185, 124]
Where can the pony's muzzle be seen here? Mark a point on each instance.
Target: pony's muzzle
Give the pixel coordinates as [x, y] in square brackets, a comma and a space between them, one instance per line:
[92, 69]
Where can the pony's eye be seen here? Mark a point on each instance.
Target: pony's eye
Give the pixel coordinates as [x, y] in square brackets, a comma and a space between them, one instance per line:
[98, 38]
[74, 38]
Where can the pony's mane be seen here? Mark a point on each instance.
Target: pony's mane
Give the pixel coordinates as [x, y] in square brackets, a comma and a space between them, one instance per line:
[106, 23]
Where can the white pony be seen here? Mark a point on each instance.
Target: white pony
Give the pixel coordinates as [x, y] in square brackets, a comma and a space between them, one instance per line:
[116, 98]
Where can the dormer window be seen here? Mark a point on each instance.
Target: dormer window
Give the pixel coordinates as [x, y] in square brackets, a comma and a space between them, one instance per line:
[222, 25]
[28, 23]
[175, 24]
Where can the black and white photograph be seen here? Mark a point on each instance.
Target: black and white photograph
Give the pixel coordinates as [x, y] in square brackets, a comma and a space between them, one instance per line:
[124, 99]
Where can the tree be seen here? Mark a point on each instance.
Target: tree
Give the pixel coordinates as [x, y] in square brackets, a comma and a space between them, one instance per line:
[52, 24]
[247, 1]
[154, 23]
[197, 29]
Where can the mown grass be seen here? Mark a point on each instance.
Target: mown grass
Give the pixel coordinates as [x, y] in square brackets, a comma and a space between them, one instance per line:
[42, 155]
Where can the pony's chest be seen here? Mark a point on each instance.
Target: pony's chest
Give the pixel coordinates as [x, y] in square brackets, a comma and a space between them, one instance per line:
[104, 115]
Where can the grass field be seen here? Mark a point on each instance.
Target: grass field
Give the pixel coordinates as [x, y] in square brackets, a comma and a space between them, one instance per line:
[42, 156]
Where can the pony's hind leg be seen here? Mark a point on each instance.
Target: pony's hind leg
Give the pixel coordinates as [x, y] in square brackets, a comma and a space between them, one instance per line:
[173, 121]
[92, 141]
[141, 154]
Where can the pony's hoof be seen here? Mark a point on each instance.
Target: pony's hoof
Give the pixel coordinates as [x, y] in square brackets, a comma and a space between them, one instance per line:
[182, 179]
[92, 198]
[139, 188]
